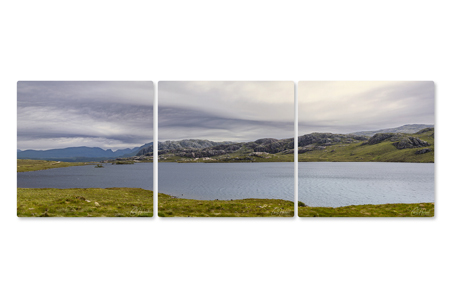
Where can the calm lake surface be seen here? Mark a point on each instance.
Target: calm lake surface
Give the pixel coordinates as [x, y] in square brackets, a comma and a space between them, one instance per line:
[139, 175]
[203, 181]
[225, 181]
[350, 183]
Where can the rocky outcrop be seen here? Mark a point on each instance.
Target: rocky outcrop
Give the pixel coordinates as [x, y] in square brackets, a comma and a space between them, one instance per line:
[423, 151]
[328, 139]
[320, 141]
[381, 137]
[410, 142]
[267, 145]
[400, 141]
[425, 130]
[266, 141]
[181, 145]
[305, 149]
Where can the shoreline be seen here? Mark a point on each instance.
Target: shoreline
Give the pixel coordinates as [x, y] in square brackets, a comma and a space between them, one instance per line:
[31, 165]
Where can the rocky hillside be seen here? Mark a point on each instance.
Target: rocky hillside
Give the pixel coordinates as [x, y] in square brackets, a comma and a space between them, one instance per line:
[386, 147]
[400, 141]
[179, 145]
[268, 148]
[319, 141]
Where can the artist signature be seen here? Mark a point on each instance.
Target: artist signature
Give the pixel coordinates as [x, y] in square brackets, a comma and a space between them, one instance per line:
[418, 211]
[139, 211]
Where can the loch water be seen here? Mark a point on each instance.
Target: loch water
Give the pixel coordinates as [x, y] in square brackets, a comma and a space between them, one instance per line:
[336, 184]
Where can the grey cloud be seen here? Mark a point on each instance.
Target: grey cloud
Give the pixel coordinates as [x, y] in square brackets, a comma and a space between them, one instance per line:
[102, 114]
[236, 111]
[38, 135]
[182, 123]
[343, 107]
[62, 93]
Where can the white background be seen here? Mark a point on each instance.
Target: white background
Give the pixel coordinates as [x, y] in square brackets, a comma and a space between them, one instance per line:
[223, 258]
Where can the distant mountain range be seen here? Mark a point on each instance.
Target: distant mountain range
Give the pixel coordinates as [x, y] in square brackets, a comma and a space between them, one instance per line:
[409, 128]
[75, 154]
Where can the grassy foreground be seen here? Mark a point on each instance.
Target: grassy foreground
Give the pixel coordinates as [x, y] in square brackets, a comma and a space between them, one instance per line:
[169, 206]
[92, 202]
[135, 202]
[27, 165]
[368, 210]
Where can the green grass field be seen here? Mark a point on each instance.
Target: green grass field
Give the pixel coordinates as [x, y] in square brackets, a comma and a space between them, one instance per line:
[93, 202]
[134, 202]
[169, 206]
[27, 165]
[383, 210]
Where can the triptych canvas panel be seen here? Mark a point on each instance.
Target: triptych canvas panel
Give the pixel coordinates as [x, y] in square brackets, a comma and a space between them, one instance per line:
[366, 149]
[225, 149]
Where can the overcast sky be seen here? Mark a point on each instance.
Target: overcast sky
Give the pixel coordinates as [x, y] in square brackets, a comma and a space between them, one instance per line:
[225, 111]
[350, 106]
[108, 114]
